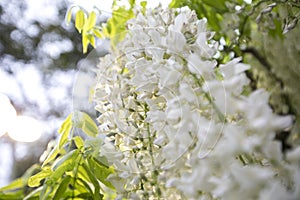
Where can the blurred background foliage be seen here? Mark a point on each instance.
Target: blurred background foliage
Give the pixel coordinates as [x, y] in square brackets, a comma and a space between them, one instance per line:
[36, 49]
[267, 35]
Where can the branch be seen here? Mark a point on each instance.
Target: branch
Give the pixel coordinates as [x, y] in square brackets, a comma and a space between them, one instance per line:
[263, 61]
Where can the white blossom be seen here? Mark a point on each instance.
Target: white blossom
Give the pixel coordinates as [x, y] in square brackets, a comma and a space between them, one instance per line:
[178, 124]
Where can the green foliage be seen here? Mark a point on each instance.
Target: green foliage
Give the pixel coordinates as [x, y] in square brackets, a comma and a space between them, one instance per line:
[85, 24]
[73, 169]
[17, 189]
[114, 29]
[235, 21]
[262, 33]
[144, 6]
[84, 121]
[211, 10]
[71, 173]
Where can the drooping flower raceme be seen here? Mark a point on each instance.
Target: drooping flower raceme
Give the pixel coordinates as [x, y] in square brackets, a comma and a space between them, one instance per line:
[176, 121]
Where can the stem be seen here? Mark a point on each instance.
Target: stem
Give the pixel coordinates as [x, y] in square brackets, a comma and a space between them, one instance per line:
[150, 148]
[221, 116]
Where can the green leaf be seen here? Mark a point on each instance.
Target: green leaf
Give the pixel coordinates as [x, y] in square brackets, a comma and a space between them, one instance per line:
[143, 5]
[85, 122]
[132, 3]
[34, 181]
[29, 172]
[17, 187]
[92, 40]
[78, 142]
[91, 22]
[100, 171]
[79, 20]
[116, 25]
[214, 20]
[85, 195]
[219, 5]
[83, 186]
[94, 181]
[16, 184]
[277, 31]
[90, 129]
[59, 172]
[98, 33]
[68, 159]
[45, 192]
[33, 198]
[93, 145]
[102, 161]
[106, 31]
[68, 16]
[52, 155]
[64, 131]
[175, 4]
[12, 195]
[90, 175]
[62, 188]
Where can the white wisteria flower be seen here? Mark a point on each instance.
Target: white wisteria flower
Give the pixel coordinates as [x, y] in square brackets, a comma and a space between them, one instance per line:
[177, 123]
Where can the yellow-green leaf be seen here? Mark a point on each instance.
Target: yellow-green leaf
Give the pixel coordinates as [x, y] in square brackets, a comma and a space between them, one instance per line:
[64, 130]
[85, 122]
[62, 188]
[94, 181]
[79, 20]
[35, 180]
[69, 15]
[143, 4]
[16, 184]
[91, 22]
[67, 159]
[89, 127]
[16, 195]
[92, 40]
[52, 155]
[106, 31]
[78, 142]
[98, 33]
[83, 185]
[100, 171]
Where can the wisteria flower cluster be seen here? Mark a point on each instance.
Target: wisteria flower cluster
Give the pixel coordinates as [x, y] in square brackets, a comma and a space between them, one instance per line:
[179, 125]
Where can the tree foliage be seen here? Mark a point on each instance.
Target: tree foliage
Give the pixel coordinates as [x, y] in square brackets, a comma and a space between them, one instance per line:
[40, 50]
[72, 169]
[114, 29]
[260, 32]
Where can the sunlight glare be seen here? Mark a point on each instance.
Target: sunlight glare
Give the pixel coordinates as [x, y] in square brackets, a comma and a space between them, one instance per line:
[7, 114]
[26, 129]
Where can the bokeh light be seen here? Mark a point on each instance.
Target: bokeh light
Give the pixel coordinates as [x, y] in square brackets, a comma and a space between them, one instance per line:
[8, 114]
[26, 129]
